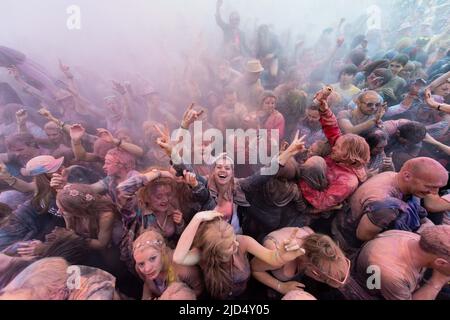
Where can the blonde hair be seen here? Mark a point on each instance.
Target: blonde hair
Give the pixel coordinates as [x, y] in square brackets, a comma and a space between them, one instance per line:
[326, 255]
[357, 151]
[155, 240]
[45, 279]
[213, 238]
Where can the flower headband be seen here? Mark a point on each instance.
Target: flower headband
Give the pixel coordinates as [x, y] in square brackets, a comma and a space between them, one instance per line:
[148, 243]
[76, 193]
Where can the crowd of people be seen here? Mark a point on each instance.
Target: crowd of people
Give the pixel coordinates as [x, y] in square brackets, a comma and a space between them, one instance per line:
[95, 203]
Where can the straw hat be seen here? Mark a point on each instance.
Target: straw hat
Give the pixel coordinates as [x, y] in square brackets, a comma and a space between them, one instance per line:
[254, 66]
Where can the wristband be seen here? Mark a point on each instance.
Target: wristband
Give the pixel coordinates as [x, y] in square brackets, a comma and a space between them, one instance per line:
[9, 182]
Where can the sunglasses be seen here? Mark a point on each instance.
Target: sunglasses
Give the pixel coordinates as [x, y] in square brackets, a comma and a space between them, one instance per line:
[371, 104]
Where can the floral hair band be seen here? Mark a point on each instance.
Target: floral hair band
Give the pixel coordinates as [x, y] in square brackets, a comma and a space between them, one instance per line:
[148, 243]
[76, 193]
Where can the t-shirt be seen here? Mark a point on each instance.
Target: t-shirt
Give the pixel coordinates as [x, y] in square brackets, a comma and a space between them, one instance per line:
[377, 189]
[346, 94]
[389, 251]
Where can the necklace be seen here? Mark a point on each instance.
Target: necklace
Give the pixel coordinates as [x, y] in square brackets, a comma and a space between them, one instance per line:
[164, 223]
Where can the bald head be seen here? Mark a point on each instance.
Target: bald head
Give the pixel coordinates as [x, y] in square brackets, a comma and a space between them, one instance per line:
[422, 176]
[425, 167]
[51, 126]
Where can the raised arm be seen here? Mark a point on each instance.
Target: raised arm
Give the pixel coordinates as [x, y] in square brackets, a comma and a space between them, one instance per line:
[183, 253]
[106, 136]
[219, 19]
[128, 188]
[443, 107]
[327, 118]
[443, 147]
[15, 182]
[76, 132]
[21, 119]
[27, 88]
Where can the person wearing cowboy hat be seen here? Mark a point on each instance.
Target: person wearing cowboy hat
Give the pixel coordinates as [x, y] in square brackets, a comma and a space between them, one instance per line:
[248, 86]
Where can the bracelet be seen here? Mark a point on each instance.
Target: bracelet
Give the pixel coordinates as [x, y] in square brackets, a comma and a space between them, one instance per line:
[119, 144]
[14, 180]
[278, 285]
[439, 107]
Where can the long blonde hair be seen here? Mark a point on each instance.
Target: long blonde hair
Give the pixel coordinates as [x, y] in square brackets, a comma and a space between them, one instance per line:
[155, 240]
[213, 238]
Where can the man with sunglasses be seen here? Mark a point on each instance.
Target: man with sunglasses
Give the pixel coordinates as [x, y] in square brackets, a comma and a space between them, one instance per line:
[399, 260]
[367, 115]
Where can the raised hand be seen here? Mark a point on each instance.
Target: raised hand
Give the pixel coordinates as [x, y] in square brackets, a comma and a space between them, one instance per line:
[321, 97]
[190, 115]
[21, 116]
[163, 141]
[190, 178]
[76, 132]
[45, 112]
[118, 87]
[429, 99]
[380, 113]
[297, 145]
[65, 69]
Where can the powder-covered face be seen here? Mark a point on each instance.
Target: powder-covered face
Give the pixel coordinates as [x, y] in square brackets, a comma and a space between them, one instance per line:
[22, 152]
[112, 167]
[223, 171]
[54, 135]
[369, 104]
[443, 90]
[149, 262]
[346, 79]
[268, 105]
[395, 67]
[160, 198]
